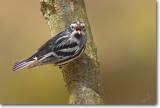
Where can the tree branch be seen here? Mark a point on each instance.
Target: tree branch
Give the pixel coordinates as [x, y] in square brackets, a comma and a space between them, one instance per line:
[82, 76]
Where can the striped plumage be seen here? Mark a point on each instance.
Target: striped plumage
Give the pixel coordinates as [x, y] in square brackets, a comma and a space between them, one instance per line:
[60, 49]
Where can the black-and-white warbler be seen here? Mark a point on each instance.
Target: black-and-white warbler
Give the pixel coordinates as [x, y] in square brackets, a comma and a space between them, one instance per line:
[60, 49]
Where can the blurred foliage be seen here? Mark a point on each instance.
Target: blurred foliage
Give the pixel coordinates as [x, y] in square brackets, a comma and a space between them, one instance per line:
[124, 32]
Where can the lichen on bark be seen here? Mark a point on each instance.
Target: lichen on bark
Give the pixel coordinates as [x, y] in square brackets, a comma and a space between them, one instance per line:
[82, 76]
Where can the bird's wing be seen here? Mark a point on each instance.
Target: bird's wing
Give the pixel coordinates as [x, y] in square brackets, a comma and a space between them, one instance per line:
[51, 41]
[49, 45]
[66, 47]
[59, 48]
[68, 50]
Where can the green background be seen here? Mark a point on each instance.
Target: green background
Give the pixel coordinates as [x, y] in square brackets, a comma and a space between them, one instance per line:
[125, 35]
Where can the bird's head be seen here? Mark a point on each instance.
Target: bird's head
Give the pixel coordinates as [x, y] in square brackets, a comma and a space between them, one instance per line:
[78, 27]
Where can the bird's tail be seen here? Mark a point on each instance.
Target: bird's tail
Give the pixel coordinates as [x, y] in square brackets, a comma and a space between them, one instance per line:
[28, 63]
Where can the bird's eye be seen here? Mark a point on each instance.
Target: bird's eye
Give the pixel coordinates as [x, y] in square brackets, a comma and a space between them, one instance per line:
[72, 27]
[83, 27]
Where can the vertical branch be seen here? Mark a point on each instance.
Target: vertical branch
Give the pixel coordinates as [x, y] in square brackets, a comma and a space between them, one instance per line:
[82, 76]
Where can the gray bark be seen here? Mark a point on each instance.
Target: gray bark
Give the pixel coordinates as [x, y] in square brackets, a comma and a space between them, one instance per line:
[82, 76]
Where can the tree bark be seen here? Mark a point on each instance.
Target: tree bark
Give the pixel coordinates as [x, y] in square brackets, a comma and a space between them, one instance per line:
[82, 76]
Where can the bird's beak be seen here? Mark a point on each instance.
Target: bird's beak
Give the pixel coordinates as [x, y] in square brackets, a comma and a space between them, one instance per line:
[79, 32]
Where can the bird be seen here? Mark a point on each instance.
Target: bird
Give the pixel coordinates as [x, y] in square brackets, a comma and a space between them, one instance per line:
[61, 49]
